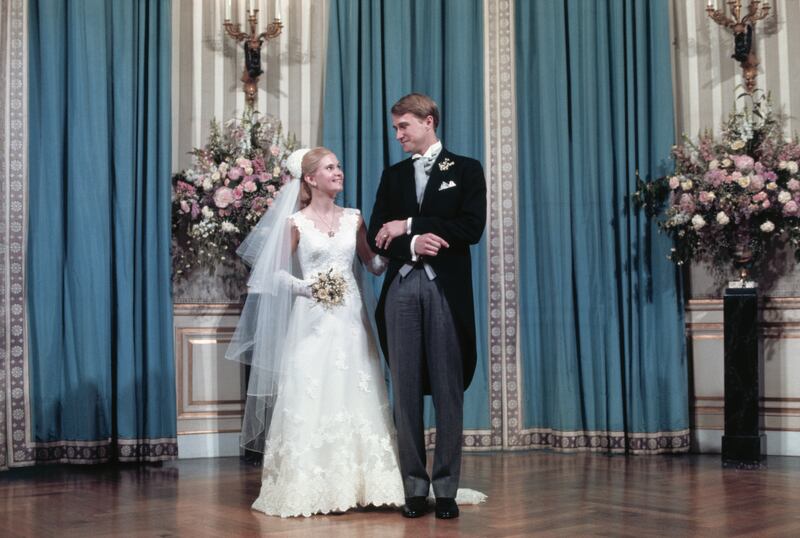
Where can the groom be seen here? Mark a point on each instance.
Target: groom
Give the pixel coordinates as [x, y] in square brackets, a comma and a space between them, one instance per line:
[428, 210]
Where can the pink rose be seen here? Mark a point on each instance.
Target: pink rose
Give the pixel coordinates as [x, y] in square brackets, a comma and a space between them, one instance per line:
[275, 150]
[269, 201]
[238, 192]
[705, 198]
[185, 206]
[761, 196]
[674, 183]
[766, 204]
[270, 188]
[793, 185]
[791, 208]
[686, 203]
[223, 197]
[235, 173]
[250, 186]
[756, 183]
[743, 162]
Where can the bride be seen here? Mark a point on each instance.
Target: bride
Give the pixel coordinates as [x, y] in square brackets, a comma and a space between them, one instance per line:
[316, 402]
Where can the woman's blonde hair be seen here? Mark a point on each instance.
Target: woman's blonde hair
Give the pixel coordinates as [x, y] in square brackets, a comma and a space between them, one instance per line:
[309, 165]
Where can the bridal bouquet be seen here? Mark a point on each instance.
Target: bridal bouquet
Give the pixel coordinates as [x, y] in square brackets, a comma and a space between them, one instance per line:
[733, 199]
[232, 182]
[329, 288]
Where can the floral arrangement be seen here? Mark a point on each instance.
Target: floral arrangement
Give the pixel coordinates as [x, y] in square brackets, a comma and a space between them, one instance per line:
[329, 288]
[732, 200]
[232, 182]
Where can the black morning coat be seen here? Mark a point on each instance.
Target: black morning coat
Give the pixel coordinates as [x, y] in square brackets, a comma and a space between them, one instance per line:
[456, 214]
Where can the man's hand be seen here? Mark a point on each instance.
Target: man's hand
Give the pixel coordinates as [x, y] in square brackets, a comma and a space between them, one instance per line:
[429, 244]
[389, 231]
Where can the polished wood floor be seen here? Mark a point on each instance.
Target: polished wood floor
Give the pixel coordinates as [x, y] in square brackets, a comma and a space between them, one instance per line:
[530, 494]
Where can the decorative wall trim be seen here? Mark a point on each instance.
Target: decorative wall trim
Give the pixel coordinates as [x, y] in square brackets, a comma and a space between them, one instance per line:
[14, 414]
[501, 171]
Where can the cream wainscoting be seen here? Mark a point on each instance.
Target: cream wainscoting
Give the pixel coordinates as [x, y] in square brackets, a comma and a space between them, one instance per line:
[779, 330]
[210, 389]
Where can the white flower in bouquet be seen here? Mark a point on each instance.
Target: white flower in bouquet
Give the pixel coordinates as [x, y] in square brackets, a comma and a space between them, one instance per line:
[329, 288]
[674, 183]
[713, 165]
[216, 175]
[784, 197]
[737, 144]
[207, 212]
[791, 167]
[771, 186]
[229, 227]
[767, 226]
[208, 184]
[726, 162]
[743, 181]
[687, 184]
[722, 218]
[698, 222]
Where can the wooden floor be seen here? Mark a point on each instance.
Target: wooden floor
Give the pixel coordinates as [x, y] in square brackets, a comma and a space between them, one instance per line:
[530, 494]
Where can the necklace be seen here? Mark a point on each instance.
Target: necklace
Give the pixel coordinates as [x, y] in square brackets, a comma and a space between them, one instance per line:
[325, 222]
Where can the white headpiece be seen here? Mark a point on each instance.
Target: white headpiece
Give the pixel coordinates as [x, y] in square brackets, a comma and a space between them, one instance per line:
[294, 162]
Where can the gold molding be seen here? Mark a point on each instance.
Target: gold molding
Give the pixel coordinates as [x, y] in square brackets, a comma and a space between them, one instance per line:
[765, 303]
[205, 432]
[199, 309]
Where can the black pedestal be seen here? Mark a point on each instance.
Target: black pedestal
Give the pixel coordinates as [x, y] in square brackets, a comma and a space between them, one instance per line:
[742, 444]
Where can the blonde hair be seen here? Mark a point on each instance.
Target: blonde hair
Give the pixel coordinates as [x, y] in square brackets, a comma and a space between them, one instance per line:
[311, 162]
[419, 105]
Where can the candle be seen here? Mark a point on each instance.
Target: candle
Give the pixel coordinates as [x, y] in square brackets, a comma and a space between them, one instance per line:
[710, 4]
[277, 9]
[228, 9]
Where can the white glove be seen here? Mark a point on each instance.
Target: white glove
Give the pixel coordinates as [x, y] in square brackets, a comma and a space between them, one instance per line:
[377, 265]
[296, 285]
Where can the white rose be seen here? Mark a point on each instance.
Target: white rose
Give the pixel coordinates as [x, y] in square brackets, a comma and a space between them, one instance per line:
[791, 166]
[744, 181]
[215, 176]
[248, 171]
[726, 162]
[782, 165]
[771, 186]
[784, 197]
[698, 222]
[722, 218]
[687, 185]
[713, 165]
[207, 212]
[767, 227]
[737, 144]
[208, 184]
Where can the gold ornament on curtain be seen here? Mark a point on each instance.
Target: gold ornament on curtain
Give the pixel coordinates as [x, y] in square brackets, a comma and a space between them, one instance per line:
[252, 45]
[743, 28]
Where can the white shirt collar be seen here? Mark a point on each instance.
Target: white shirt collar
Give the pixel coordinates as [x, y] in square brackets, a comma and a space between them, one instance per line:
[433, 149]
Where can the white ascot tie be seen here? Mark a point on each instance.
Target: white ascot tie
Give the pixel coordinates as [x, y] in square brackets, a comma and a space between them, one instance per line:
[423, 164]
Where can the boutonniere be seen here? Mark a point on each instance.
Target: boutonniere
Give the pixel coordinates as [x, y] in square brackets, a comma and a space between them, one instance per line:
[446, 164]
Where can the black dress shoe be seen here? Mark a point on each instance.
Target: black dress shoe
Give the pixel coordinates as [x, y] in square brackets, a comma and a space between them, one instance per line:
[415, 507]
[446, 508]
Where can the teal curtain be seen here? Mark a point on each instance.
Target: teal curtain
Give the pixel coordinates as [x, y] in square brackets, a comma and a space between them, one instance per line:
[100, 309]
[604, 363]
[379, 51]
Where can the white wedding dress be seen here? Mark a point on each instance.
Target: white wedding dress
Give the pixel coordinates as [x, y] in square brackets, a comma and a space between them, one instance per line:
[331, 443]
